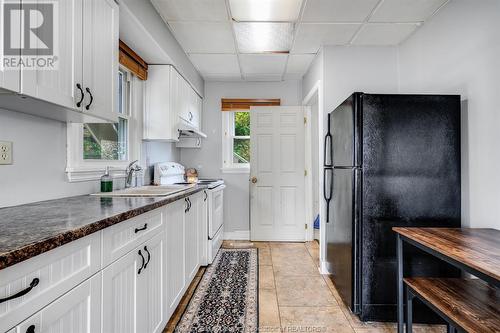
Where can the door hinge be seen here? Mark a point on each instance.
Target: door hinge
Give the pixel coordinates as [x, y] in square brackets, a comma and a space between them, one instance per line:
[305, 173]
[305, 120]
[306, 226]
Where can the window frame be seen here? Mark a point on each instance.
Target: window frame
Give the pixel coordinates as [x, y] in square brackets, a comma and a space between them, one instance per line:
[80, 169]
[228, 136]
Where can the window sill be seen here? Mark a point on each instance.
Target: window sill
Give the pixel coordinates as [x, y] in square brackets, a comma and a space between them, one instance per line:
[89, 174]
[240, 170]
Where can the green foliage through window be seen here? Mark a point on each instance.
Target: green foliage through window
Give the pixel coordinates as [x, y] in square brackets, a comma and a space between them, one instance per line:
[241, 140]
[242, 123]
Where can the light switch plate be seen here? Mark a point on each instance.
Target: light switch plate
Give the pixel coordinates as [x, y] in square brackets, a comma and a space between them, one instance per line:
[5, 152]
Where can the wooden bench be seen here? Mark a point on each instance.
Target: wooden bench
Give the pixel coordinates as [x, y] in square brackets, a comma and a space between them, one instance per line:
[469, 305]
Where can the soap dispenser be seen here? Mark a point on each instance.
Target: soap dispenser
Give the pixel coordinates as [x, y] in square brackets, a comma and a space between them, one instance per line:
[106, 181]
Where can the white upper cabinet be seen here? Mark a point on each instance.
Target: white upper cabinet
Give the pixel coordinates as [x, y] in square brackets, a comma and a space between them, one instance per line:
[77, 61]
[170, 100]
[100, 57]
[58, 85]
[160, 117]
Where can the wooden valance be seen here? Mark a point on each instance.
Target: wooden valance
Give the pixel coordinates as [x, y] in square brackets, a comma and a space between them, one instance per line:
[133, 62]
[235, 104]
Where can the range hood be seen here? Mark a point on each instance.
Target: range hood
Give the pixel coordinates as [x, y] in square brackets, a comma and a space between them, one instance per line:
[187, 131]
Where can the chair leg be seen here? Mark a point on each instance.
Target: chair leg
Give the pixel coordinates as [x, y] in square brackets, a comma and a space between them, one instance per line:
[409, 310]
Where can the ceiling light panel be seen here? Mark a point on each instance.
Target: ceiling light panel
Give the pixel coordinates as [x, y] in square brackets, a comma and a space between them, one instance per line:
[383, 34]
[262, 37]
[192, 10]
[338, 10]
[265, 10]
[406, 10]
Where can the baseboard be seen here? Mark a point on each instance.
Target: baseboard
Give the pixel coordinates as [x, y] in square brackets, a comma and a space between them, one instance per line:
[237, 235]
[324, 267]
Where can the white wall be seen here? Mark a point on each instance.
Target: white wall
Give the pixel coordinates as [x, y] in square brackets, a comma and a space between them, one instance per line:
[458, 52]
[39, 161]
[358, 68]
[208, 159]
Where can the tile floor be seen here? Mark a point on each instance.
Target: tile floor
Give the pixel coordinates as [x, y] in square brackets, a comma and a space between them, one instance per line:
[294, 297]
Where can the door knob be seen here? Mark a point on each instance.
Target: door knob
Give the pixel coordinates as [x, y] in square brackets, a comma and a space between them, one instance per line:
[254, 180]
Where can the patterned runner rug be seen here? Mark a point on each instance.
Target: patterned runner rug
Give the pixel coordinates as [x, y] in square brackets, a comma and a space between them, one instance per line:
[226, 300]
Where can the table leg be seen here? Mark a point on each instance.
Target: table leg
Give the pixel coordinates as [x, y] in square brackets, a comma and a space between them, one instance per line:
[409, 311]
[399, 248]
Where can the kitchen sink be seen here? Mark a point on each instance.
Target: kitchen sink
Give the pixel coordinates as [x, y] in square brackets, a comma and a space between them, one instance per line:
[146, 191]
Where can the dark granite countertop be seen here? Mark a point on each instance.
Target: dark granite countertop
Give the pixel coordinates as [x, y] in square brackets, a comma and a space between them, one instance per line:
[31, 229]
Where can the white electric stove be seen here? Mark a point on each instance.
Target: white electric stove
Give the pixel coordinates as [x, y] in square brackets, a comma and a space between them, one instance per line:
[171, 173]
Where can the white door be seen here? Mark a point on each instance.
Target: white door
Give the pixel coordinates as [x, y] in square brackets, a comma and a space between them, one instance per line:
[151, 314]
[175, 253]
[191, 237]
[58, 85]
[100, 57]
[120, 283]
[78, 311]
[277, 173]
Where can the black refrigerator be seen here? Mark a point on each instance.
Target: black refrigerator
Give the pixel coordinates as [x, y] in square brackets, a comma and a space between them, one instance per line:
[390, 160]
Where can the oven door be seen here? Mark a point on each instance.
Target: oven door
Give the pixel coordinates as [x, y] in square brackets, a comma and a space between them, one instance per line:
[215, 210]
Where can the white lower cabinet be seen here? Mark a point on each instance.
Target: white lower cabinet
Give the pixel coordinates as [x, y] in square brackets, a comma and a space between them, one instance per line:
[78, 311]
[191, 246]
[134, 288]
[133, 297]
[175, 255]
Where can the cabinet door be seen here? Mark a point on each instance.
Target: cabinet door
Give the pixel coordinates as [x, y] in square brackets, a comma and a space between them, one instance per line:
[191, 242]
[100, 58]
[185, 95]
[78, 311]
[151, 315]
[120, 283]
[58, 85]
[175, 253]
[203, 229]
[175, 103]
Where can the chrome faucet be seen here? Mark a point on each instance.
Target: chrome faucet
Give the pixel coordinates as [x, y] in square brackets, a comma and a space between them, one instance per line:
[130, 173]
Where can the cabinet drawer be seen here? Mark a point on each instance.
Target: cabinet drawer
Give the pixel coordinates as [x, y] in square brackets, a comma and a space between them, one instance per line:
[57, 272]
[121, 238]
[78, 311]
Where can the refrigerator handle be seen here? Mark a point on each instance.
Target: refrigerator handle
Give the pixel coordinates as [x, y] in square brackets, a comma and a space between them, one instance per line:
[327, 194]
[328, 152]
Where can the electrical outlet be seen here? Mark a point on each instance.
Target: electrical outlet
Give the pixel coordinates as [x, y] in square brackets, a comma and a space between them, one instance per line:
[5, 152]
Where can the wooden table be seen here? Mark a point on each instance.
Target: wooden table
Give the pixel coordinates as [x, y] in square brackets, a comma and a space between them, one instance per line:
[476, 251]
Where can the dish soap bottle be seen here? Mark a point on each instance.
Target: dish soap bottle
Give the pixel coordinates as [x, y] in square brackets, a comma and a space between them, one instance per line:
[106, 181]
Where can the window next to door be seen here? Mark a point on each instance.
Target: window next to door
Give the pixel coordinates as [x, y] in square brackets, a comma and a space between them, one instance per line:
[236, 141]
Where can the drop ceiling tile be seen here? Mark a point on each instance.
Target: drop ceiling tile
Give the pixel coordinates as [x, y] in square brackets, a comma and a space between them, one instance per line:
[258, 37]
[405, 10]
[265, 10]
[311, 36]
[192, 10]
[338, 10]
[204, 37]
[383, 34]
[216, 64]
[225, 78]
[263, 63]
[299, 63]
[263, 77]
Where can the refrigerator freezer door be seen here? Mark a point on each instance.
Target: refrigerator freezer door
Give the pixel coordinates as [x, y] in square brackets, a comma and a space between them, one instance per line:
[345, 129]
[341, 251]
